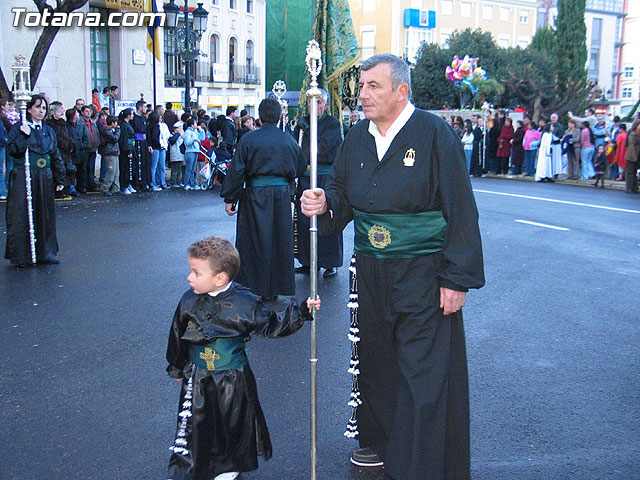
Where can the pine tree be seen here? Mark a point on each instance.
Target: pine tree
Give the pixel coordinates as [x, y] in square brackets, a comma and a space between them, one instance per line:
[569, 48]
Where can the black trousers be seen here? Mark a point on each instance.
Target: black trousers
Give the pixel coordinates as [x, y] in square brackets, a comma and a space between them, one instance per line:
[413, 371]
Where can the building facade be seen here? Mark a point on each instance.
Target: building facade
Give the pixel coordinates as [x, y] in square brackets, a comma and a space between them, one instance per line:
[628, 79]
[400, 26]
[80, 59]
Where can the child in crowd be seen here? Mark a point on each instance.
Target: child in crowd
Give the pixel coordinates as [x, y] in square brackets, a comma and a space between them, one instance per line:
[109, 150]
[600, 164]
[176, 155]
[202, 182]
[221, 427]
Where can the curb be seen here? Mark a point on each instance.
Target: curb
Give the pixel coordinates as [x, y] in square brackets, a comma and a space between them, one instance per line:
[611, 184]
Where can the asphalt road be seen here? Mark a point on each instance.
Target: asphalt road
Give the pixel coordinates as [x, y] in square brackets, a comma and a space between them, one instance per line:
[553, 343]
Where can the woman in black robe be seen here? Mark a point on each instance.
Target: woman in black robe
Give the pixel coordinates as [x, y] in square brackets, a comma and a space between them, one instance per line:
[47, 174]
[126, 142]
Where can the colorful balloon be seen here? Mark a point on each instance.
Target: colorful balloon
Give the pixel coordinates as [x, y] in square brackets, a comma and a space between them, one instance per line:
[465, 73]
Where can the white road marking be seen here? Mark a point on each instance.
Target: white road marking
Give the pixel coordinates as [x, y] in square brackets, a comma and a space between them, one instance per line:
[553, 200]
[541, 225]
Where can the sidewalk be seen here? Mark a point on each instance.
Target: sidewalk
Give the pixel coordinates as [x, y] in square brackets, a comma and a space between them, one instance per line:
[608, 182]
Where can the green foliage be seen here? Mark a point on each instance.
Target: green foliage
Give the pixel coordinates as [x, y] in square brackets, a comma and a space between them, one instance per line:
[543, 40]
[569, 48]
[431, 89]
[475, 43]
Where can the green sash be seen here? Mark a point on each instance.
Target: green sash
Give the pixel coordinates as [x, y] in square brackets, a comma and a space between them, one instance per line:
[37, 161]
[322, 170]
[267, 181]
[399, 235]
[221, 354]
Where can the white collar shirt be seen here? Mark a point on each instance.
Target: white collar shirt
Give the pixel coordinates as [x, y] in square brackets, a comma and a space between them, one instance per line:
[383, 142]
[215, 294]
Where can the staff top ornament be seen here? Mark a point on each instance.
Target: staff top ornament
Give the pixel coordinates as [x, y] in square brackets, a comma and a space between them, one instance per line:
[279, 90]
[314, 65]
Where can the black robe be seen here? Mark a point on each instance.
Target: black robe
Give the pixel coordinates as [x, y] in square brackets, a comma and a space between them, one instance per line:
[43, 185]
[413, 368]
[264, 229]
[127, 136]
[141, 165]
[330, 249]
[226, 430]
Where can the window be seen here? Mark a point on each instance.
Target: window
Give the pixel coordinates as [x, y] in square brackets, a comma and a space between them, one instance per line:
[487, 12]
[524, 16]
[249, 55]
[368, 43]
[447, 7]
[594, 61]
[233, 4]
[627, 92]
[100, 66]
[465, 9]
[504, 41]
[249, 6]
[523, 43]
[504, 14]
[214, 2]
[233, 43]
[628, 72]
[214, 48]
[368, 6]
[596, 31]
[413, 38]
[444, 38]
[173, 70]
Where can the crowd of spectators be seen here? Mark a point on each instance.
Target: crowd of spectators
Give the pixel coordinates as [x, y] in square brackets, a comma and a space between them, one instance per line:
[588, 148]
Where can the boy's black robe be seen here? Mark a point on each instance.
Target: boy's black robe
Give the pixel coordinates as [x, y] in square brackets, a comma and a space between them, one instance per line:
[227, 430]
[43, 185]
[413, 367]
[141, 165]
[264, 229]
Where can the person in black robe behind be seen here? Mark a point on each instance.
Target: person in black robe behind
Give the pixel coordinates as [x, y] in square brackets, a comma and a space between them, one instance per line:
[221, 428]
[268, 161]
[141, 165]
[47, 169]
[417, 251]
[330, 247]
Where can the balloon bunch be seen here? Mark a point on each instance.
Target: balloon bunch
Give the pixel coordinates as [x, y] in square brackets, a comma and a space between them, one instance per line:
[465, 73]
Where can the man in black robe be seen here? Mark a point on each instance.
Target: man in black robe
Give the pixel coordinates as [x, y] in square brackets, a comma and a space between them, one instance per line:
[329, 139]
[141, 165]
[267, 161]
[401, 176]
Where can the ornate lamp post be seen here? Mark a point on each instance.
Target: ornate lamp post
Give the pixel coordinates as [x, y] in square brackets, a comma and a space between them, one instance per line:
[190, 35]
[22, 95]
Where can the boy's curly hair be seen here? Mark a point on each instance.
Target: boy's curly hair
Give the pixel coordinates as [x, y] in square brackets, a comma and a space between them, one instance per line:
[220, 252]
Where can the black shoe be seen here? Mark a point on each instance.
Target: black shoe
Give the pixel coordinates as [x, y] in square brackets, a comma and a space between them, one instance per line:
[302, 269]
[365, 457]
[107, 194]
[330, 272]
[51, 260]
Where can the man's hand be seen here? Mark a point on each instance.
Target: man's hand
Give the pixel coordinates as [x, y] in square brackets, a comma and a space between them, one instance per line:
[313, 202]
[230, 208]
[451, 300]
[59, 188]
[25, 128]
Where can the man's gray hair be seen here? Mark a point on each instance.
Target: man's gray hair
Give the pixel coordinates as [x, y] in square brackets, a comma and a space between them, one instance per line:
[55, 107]
[400, 71]
[325, 95]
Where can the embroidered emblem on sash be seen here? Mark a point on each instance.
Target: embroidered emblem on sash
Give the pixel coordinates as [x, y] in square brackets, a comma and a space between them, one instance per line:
[41, 162]
[409, 158]
[379, 236]
[210, 356]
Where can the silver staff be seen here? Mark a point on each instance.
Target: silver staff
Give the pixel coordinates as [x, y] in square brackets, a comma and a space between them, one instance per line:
[22, 95]
[279, 90]
[314, 65]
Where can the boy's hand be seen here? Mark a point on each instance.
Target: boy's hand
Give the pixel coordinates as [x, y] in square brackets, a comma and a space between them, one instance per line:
[178, 379]
[311, 303]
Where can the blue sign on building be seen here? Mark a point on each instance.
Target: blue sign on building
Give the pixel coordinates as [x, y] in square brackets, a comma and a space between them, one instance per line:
[419, 18]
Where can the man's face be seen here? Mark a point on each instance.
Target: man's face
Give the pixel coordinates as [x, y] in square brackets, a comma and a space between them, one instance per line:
[355, 116]
[161, 111]
[86, 113]
[379, 102]
[114, 93]
[541, 123]
[79, 104]
[554, 118]
[322, 105]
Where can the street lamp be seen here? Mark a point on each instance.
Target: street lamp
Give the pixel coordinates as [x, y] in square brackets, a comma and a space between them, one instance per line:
[188, 34]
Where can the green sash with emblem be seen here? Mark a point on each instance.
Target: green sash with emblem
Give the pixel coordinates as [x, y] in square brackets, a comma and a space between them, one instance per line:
[221, 354]
[267, 181]
[399, 235]
[37, 161]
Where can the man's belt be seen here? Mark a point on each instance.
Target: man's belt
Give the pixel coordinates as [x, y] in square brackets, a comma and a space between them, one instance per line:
[267, 181]
[221, 354]
[37, 161]
[322, 170]
[141, 136]
[399, 235]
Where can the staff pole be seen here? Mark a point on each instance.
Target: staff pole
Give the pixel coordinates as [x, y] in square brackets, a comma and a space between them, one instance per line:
[314, 65]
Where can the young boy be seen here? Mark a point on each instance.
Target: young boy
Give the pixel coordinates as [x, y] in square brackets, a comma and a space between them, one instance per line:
[600, 164]
[109, 149]
[221, 428]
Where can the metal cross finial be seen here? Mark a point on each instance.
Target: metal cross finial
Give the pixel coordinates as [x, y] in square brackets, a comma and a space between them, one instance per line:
[314, 65]
[279, 90]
